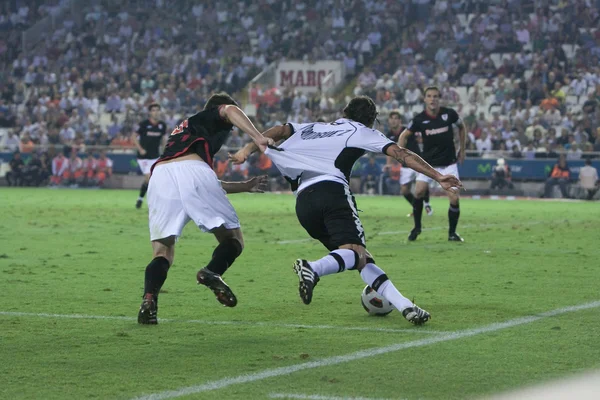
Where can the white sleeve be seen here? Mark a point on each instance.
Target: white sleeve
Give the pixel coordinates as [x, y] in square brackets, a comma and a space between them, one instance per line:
[369, 139]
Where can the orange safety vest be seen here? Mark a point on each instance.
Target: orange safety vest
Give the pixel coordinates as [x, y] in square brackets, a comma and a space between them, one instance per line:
[558, 172]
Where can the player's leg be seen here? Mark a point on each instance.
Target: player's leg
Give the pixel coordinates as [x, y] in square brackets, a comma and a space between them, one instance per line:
[421, 188]
[166, 220]
[205, 201]
[163, 252]
[231, 245]
[145, 166]
[454, 209]
[407, 176]
[428, 208]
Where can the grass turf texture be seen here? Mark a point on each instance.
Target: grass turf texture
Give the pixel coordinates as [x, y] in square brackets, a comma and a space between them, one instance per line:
[84, 252]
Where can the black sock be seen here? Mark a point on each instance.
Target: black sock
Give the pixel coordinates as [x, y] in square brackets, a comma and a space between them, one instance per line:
[224, 255]
[156, 274]
[426, 198]
[143, 190]
[410, 198]
[417, 211]
[453, 214]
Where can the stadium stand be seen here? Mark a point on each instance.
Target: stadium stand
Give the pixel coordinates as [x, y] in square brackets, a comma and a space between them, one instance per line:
[524, 77]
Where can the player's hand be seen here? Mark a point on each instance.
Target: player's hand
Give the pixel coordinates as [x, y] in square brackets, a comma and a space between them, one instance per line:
[262, 143]
[142, 152]
[239, 157]
[258, 184]
[450, 183]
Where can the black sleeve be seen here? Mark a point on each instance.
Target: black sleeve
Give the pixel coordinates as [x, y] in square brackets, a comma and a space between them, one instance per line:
[141, 130]
[205, 119]
[453, 116]
[414, 125]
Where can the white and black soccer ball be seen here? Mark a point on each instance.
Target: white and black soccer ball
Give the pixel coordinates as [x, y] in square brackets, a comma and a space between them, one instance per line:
[374, 303]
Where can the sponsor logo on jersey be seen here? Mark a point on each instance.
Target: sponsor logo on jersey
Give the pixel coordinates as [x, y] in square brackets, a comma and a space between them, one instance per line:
[426, 122]
[308, 133]
[445, 117]
[436, 131]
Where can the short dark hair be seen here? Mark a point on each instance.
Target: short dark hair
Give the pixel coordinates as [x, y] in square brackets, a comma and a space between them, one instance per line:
[588, 161]
[152, 105]
[437, 89]
[396, 113]
[361, 109]
[219, 99]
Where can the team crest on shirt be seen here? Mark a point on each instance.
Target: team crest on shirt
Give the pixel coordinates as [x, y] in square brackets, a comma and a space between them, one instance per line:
[445, 117]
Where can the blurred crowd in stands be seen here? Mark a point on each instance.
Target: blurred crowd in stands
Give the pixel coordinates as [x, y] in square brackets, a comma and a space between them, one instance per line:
[523, 74]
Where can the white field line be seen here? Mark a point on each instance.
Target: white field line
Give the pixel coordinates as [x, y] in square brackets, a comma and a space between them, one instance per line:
[325, 362]
[234, 323]
[316, 397]
[435, 228]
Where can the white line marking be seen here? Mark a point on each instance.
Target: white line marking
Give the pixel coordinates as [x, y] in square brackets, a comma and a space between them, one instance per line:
[435, 228]
[325, 362]
[244, 323]
[316, 397]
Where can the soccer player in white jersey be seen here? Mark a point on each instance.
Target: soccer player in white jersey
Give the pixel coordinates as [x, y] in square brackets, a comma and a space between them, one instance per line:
[317, 159]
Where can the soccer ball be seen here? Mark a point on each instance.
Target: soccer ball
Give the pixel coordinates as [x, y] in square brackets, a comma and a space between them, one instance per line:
[375, 304]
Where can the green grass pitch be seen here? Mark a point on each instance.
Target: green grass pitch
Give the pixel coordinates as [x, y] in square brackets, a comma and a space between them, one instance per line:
[70, 257]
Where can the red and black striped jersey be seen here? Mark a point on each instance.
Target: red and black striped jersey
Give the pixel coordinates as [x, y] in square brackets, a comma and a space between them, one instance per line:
[203, 133]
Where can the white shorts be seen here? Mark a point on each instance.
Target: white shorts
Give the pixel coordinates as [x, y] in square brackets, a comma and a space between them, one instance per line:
[145, 165]
[187, 190]
[449, 170]
[407, 175]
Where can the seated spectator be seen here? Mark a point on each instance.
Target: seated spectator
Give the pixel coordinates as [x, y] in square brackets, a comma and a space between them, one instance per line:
[392, 176]
[558, 176]
[74, 174]
[239, 172]
[14, 177]
[33, 171]
[370, 176]
[261, 165]
[26, 145]
[60, 165]
[122, 141]
[501, 176]
[10, 142]
[221, 164]
[103, 169]
[588, 179]
[88, 166]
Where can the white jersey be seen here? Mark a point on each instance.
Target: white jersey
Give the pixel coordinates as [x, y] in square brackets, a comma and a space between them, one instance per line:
[318, 152]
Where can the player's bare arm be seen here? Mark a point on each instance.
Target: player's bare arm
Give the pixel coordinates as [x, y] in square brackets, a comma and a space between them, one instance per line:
[403, 138]
[255, 185]
[410, 160]
[276, 133]
[137, 144]
[462, 138]
[238, 118]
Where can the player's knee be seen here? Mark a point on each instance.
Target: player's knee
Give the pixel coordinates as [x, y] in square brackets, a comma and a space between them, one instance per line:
[405, 189]
[360, 255]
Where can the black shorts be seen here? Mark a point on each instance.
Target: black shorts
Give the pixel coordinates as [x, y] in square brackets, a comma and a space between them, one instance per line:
[327, 210]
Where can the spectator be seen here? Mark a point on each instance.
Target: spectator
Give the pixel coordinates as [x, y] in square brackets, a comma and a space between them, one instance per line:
[558, 176]
[10, 142]
[32, 172]
[370, 176]
[103, 169]
[501, 176]
[588, 179]
[392, 176]
[14, 177]
[60, 166]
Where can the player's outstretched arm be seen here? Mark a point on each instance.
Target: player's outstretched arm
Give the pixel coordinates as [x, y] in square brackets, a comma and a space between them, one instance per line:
[403, 138]
[238, 118]
[255, 185]
[276, 133]
[410, 160]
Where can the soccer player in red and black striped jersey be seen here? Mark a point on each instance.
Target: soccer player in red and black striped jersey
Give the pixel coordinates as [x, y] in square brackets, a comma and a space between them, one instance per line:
[407, 175]
[435, 124]
[183, 187]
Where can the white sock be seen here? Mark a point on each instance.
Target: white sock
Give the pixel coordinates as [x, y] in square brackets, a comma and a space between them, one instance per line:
[337, 261]
[425, 203]
[140, 198]
[378, 280]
